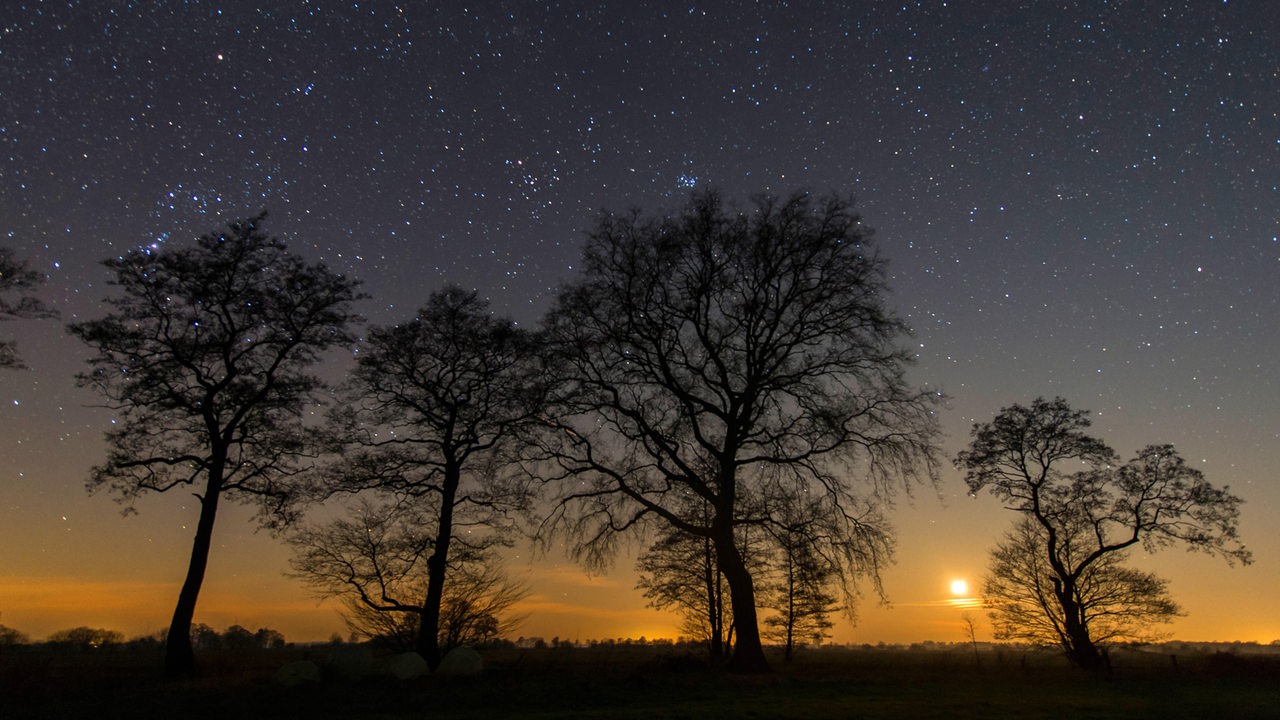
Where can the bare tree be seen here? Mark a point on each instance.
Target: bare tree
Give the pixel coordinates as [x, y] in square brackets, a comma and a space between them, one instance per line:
[708, 353]
[376, 560]
[1085, 509]
[680, 571]
[427, 412]
[204, 358]
[802, 580]
[1116, 604]
[17, 279]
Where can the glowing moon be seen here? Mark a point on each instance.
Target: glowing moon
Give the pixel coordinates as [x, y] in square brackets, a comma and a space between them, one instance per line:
[959, 588]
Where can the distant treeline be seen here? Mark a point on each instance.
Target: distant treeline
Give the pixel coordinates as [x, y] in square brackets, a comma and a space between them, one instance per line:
[204, 637]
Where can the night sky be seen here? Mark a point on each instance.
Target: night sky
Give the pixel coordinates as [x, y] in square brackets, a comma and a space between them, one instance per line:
[1076, 198]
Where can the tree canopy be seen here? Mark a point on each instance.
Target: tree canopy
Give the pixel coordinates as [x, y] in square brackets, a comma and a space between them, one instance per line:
[1117, 604]
[17, 282]
[1083, 509]
[715, 352]
[205, 360]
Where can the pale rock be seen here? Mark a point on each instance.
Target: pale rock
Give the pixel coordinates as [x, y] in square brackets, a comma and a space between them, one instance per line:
[300, 672]
[407, 666]
[462, 661]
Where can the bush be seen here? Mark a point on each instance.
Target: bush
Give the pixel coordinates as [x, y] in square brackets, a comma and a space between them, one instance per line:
[9, 636]
[86, 637]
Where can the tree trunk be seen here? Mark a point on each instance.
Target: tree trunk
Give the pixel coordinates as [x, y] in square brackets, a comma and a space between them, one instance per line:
[748, 653]
[428, 642]
[1082, 652]
[179, 658]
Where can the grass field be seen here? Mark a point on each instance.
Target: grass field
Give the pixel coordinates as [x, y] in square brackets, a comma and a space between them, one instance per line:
[650, 682]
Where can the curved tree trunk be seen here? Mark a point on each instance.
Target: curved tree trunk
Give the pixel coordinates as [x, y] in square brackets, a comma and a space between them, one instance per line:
[748, 653]
[428, 642]
[179, 658]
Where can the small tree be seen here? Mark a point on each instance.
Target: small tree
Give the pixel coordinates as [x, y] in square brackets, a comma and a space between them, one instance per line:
[11, 636]
[17, 279]
[204, 359]
[375, 560]
[1117, 604]
[711, 352]
[1083, 510]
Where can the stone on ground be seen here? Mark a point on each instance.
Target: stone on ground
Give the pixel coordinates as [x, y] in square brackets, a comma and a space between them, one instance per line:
[462, 661]
[407, 666]
[300, 672]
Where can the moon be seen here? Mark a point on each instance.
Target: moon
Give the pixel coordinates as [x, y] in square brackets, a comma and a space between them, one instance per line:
[959, 588]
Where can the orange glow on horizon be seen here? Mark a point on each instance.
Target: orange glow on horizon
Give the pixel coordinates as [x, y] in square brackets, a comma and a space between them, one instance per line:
[39, 606]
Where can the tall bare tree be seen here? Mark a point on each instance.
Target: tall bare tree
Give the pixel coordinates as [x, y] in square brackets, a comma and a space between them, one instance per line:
[1086, 509]
[711, 352]
[17, 281]
[427, 413]
[205, 359]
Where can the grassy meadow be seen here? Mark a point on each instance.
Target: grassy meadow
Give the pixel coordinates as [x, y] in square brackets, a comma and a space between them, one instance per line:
[649, 682]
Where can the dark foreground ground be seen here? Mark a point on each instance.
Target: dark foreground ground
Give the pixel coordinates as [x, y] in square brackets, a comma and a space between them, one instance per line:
[649, 683]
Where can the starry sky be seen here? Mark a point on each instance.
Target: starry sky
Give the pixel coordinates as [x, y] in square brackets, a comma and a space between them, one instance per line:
[1076, 198]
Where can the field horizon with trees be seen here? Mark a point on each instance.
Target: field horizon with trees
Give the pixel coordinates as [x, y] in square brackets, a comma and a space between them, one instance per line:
[634, 680]
[725, 384]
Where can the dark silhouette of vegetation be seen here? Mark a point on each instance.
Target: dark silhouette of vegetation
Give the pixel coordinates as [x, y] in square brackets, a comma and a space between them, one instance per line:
[801, 586]
[235, 637]
[85, 638]
[680, 571]
[1058, 574]
[11, 636]
[375, 560]
[715, 353]
[1116, 604]
[425, 416]
[17, 302]
[204, 359]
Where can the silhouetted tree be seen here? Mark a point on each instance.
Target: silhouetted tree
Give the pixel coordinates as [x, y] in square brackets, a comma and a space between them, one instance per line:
[680, 571]
[713, 352]
[1116, 604]
[205, 638]
[801, 587]
[11, 636]
[427, 412]
[268, 639]
[86, 638]
[376, 558]
[1085, 507]
[204, 359]
[17, 279]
